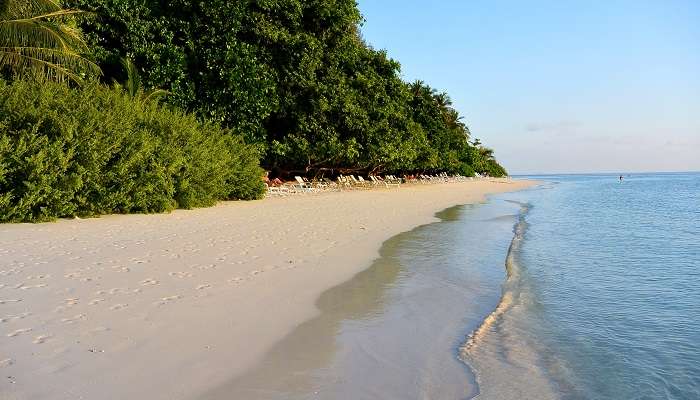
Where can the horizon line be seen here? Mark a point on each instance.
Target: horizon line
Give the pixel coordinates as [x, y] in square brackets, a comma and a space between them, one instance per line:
[605, 173]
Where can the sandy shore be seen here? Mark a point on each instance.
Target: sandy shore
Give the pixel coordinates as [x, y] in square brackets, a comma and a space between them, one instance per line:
[169, 306]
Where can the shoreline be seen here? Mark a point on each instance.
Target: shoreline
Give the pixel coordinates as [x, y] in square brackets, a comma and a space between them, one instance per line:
[485, 348]
[139, 298]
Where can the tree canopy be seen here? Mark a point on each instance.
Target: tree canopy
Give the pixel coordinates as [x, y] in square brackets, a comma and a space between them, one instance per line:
[293, 77]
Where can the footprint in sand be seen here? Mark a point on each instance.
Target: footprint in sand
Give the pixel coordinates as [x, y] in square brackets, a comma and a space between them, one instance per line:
[6, 362]
[166, 300]
[121, 269]
[73, 319]
[203, 286]
[118, 307]
[237, 279]
[149, 282]
[115, 290]
[95, 302]
[72, 275]
[204, 267]
[19, 332]
[27, 287]
[178, 274]
[32, 277]
[41, 339]
[15, 317]
[254, 273]
[71, 302]
[99, 329]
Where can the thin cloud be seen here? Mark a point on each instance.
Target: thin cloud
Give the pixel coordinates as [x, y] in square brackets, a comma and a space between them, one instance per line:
[557, 127]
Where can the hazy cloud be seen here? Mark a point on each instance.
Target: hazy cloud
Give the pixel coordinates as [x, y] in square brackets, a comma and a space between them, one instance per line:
[556, 127]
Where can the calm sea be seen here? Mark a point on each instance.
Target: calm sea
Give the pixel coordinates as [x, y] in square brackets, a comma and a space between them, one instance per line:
[584, 287]
[604, 298]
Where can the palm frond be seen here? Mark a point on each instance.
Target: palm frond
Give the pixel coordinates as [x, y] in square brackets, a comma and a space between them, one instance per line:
[24, 32]
[133, 79]
[50, 64]
[39, 67]
[38, 39]
[154, 94]
[14, 9]
[133, 86]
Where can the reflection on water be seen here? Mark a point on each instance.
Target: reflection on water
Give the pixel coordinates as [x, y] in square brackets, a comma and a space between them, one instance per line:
[393, 331]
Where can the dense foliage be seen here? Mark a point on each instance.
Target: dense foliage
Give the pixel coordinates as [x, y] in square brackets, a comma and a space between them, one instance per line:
[289, 84]
[89, 151]
[292, 76]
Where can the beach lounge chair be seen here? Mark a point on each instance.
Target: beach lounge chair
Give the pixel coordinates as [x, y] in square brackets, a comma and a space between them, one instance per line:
[363, 182]
[344, 182]
[303, 185]
[330, 185]
[272, 190]
[392, 180]
[395, 182]
[356, 183]
[318, 184]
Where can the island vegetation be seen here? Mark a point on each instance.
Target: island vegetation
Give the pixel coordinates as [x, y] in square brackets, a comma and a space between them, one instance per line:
[144, 106]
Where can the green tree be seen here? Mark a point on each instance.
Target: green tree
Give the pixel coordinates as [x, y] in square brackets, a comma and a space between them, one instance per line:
[193, 50]
[293, 76]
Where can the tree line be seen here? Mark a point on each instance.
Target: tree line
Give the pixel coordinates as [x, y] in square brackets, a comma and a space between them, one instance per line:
[294, 77]
[145, 106]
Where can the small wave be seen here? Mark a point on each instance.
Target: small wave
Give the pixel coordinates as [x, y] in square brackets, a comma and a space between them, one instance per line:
[505, 217]
[509, 287]
[505, 362]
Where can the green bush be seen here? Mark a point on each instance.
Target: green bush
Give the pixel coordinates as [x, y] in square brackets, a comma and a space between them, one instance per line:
[83, 152]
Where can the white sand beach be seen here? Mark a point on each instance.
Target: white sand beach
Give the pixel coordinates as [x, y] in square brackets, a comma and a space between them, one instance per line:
[169, 306]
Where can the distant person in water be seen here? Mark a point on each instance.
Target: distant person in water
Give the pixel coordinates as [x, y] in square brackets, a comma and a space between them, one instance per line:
[621, 178]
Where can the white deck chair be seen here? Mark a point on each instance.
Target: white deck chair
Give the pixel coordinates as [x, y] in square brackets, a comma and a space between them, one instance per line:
[303, 185]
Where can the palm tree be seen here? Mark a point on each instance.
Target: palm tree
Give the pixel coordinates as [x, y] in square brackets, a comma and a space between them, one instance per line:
[38, 39]
[133, 86]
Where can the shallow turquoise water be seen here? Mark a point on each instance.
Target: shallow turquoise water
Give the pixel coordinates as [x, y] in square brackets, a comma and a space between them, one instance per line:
[609, 286]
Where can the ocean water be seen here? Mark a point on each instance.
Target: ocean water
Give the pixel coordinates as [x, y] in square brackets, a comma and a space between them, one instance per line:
[584, 287]
[604, 301]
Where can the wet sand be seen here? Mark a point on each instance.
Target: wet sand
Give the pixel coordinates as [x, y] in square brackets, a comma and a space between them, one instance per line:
[174, 306]
[394, 330]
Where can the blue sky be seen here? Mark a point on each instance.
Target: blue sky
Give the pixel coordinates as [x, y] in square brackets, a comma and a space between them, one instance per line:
[558, 86]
